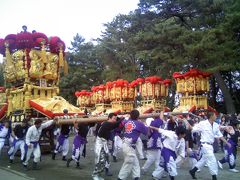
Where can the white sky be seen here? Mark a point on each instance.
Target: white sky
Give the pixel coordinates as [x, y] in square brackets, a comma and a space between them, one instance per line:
[63, 18]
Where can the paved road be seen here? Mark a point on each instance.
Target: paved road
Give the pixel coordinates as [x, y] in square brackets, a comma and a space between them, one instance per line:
[10, 174]
[57, 170]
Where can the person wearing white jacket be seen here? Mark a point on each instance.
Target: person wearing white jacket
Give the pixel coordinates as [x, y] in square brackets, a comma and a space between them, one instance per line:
[209, 130]
[32, 142]
[168, 152]
[4, 133]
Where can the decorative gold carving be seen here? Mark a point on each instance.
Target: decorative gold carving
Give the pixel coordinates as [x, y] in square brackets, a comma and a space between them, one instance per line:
[10, 104]
[190, 84]
[118, 92]
[149, 89]
[124, 92]
[123, 106]
[9, 67]
[51, 71]
[144, 91]
[18, 58]
[157, 89]
[37, 66]
[163, 90]
[93, 98]
[198, 84]
[131, 92]
[56, 104]
[181, 85]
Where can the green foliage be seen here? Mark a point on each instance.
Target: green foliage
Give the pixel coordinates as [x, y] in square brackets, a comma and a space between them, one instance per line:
[158, 38]
[84, 69]
[201, 33]
[197, 33]
[118, 51]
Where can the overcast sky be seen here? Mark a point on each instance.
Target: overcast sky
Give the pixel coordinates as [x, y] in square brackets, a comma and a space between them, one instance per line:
[63, 18]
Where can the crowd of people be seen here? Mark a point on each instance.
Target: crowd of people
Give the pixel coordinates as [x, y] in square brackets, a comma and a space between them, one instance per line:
[168, 140]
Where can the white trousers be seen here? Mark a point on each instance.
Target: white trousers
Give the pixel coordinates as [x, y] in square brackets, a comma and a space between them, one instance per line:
[179, 161]
[36, 153]
[100, 143]
[117, 145]
[153, 156]
[62, 149]
[208, 158]
[171, 168]
[1, 144]
[90, 131]
[130, 164]
[101, 157]
[139, 148]
[79, 151]
[19, 145]
[192, 162]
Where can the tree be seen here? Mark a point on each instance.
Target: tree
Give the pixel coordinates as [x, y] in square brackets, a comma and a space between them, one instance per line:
[201, 33]
[160, 37]
[85, 68]
[117, 49]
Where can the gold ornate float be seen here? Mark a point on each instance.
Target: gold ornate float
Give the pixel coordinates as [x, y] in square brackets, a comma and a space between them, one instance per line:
[32, 66]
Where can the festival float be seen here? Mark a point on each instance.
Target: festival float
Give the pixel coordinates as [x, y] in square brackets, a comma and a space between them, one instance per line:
[32, 65]
[120, 96]
[85, 100]
[116, 96]
[193, 90]
[154, 91]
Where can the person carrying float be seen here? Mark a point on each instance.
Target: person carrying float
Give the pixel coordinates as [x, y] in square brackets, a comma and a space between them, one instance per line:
[62, 145]
[79, 142]
[32, 141]
[132, 130]
[19, 135]
[101, 146]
